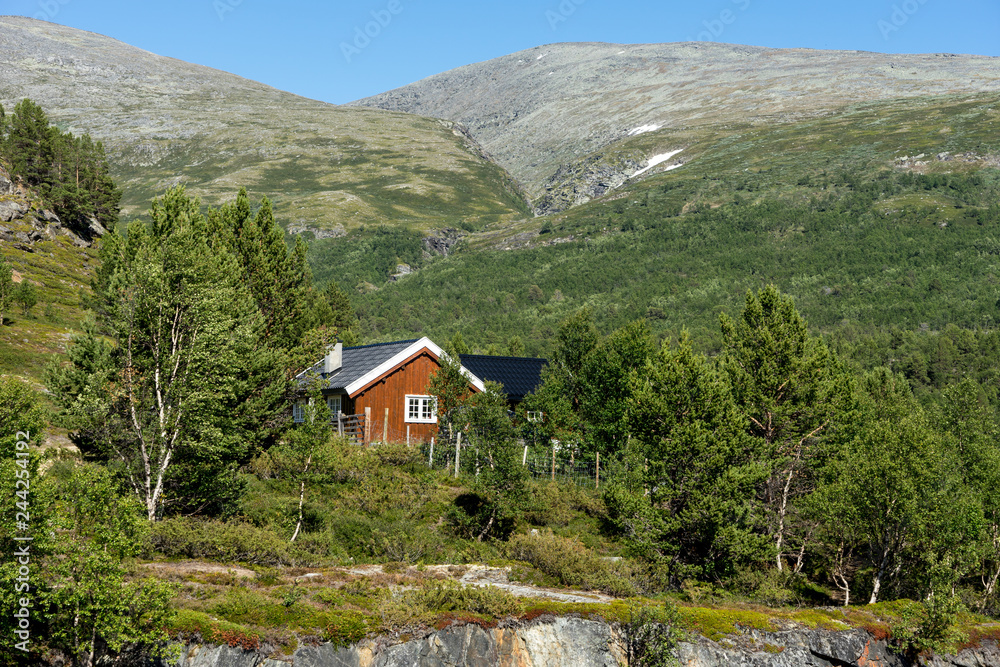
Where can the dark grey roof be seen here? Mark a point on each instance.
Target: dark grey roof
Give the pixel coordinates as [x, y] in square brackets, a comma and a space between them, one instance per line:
[518, 375]
[358, 361]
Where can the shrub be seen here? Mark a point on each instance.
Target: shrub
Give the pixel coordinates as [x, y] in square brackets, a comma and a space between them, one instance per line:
[450, 596]
[570, 563]
[226, 542]
[346, 627]
[446, 598]
[930, 627]
[651, 633]
[777, 589]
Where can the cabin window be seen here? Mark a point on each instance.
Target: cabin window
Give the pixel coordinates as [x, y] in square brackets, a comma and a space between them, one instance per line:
[333, 402]
[299, 411]
[421, 409]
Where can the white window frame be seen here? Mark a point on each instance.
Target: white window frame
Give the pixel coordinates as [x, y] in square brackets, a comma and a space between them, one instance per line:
[423, 404]
[299, 411]
[335, 403]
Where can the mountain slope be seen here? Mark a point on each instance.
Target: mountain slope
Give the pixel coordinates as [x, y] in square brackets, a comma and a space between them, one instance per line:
[325, 167]
[884, 214]
[548, 108]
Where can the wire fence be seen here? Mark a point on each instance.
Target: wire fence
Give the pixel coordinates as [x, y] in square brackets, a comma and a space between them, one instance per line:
[471, 461]
[556, 464]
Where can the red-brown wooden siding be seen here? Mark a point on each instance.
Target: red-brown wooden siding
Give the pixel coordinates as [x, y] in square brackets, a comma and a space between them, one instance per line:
[410, 377]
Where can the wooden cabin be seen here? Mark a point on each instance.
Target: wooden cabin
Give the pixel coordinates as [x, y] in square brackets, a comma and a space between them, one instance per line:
[380, 390]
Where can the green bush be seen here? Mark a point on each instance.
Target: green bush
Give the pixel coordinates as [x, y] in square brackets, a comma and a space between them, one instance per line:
[776, 589]
[450, 596]
[421, 605]
[651, 633]
[346, 627]
[226, 542]
[570, 563]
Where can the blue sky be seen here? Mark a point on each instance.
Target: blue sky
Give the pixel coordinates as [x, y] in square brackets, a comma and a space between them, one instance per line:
[339, 51]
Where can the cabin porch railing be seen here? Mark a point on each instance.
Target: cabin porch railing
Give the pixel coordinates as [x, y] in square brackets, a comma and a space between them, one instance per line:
[350, 426]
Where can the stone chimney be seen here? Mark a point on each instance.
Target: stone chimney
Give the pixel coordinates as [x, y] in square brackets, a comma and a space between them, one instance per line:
[334, 359]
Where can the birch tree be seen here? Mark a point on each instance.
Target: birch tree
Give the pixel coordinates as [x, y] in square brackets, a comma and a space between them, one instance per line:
[181, 326]
[967, 417]
[306, 453]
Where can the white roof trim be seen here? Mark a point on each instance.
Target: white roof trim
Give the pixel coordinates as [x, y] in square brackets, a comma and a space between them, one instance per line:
[402, 356]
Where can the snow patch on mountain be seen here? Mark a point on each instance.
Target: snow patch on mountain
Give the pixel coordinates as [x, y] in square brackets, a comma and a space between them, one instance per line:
[642, 129]
[659, 159]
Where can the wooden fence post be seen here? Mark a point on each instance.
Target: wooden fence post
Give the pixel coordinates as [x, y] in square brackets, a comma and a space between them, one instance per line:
[458, 445]
[368, 425]
[597, 478]
[430, 459]
[553, 461]
[340, 423]
[407, 435]
[385, 427]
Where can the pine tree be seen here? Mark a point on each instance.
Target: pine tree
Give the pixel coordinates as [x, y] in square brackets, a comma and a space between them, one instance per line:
[28, 144]
[70, 173]
[785, 382]
[685, 494]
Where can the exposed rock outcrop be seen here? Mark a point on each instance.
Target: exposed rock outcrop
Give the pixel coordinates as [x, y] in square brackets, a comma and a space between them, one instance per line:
[441, 241]
[554, 642]
[29, 222]
[577, 642]
[578, 183]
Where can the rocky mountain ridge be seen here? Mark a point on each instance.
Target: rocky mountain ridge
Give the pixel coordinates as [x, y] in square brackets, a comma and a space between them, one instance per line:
[544, 112]
[164, 122]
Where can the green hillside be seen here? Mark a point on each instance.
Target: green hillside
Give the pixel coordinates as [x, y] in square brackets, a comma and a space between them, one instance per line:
[827, 209]
[326, 168]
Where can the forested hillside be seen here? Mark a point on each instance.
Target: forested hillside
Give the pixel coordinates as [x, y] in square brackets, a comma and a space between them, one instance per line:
[882, 216]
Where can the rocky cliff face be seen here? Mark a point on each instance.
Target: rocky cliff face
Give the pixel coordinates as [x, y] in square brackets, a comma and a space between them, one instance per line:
[576, 642]
[24, 221]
